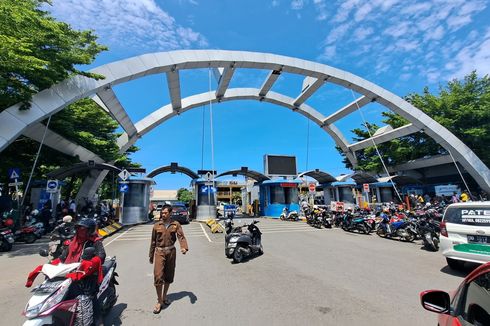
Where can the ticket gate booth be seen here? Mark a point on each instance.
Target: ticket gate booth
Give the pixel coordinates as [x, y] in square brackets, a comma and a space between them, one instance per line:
[339, 192]
[275, 195]
[205, 199]
[135, 200]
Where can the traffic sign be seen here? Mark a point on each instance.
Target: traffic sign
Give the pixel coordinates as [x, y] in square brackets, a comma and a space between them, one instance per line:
[365, 186]
[15, 184]
[123, 187]
[312, 187]
[14, 173]
[52, 186]
[209, 176]
[124, 175]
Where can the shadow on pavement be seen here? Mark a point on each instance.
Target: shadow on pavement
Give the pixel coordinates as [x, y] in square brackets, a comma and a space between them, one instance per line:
[21, 249]
[114, 317]
[468, 268]
[182, 294]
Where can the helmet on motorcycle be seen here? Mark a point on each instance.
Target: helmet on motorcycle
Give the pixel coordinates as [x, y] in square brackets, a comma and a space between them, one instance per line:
[35, 212]
[67, 219]
[87, 223]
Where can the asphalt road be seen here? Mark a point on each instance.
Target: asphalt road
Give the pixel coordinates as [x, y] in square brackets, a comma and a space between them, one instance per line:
[306, 276]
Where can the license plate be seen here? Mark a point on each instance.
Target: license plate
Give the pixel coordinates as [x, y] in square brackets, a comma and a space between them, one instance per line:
[478, 238]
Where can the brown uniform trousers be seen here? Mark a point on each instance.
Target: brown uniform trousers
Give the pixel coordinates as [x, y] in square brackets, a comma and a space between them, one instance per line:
[162, 250]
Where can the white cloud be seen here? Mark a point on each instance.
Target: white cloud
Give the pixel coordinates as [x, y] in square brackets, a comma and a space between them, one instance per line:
[362, 12]
[337, 33]
[420, 31]
[361, 33]
[297, 4]
[329, 52]
[475, 56]
[136, 24]
[321, 8]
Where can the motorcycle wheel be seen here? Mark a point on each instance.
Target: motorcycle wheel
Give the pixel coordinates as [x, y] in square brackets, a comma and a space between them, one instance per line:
[435, 241]
[410, 237]
[30, 238]
[237, 255]
[381, 233]
[6, 246]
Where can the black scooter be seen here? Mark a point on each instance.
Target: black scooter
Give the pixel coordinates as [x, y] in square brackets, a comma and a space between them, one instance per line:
[240, 244]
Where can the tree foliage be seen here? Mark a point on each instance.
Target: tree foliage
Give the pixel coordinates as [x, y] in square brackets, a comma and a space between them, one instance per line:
[462, 106]
[37, 51]
[184, 195]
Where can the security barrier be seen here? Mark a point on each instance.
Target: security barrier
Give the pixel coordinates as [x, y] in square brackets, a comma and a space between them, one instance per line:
[214, 226]
[109, 230]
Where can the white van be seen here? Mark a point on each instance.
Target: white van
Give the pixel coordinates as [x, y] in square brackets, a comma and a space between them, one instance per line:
[465, 233]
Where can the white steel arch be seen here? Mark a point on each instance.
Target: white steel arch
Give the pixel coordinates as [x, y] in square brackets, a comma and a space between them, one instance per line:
[14, 122]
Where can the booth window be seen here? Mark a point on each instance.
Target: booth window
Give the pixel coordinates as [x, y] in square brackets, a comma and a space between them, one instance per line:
[277, 195]
[206, 195]
[290, 195]
[135, 197]
[346, 194]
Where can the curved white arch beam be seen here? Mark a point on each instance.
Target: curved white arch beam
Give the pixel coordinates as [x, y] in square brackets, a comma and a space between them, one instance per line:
[50, 101]
[166, 112]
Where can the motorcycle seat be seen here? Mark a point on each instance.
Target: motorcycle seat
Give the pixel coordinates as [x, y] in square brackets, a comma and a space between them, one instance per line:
[106, 266]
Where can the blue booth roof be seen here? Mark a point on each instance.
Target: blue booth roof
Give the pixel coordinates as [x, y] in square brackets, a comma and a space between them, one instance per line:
[272, 182]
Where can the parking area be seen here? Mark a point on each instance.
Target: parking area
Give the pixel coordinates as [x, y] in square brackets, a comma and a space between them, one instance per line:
[306, 275]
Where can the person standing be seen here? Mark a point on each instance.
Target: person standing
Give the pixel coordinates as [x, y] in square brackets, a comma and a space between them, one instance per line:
[162, 254]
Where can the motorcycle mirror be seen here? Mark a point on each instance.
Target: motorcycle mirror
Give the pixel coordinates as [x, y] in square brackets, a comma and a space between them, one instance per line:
[43, 252]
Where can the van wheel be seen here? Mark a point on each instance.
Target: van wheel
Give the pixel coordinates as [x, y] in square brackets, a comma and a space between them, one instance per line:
[455, 264]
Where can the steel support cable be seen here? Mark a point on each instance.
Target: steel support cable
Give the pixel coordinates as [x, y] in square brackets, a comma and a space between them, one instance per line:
[35, 161]
[460, 174]
[376, 147]
[202, 136]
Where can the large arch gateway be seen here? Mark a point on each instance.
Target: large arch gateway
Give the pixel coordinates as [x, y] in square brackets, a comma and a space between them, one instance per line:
[14, 122]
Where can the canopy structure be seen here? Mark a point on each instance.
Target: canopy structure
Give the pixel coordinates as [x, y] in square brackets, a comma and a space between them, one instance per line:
[257, 176]
[79, 167]
[359, 177]
[15, 122]
[173, 168]
[320, 176]
[400, 180]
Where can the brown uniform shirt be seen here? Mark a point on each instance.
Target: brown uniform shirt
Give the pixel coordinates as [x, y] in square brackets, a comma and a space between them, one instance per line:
[166, 237]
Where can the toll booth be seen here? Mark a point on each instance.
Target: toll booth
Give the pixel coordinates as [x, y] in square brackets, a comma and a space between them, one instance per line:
[383, 192]
[277, 194]
[135, 200]
[339, 192]
[205, 199]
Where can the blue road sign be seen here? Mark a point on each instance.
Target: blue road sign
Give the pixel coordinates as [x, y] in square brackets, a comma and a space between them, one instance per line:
[14, 173]
[123, 187]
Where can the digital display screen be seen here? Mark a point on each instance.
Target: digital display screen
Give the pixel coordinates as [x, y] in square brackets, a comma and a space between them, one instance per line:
[280, 165]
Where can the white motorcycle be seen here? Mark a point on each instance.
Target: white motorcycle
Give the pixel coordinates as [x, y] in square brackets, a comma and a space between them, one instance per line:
[50, 304]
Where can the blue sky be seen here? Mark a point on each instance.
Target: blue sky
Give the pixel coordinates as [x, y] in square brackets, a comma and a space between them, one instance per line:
[400, 45]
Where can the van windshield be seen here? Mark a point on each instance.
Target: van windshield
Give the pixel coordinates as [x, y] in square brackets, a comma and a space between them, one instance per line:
[474, 215]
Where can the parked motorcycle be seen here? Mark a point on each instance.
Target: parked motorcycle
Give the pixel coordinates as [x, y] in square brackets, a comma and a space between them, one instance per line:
[51, 303]
[6, 239]
[430, 231]
[354, 223]
[241, 244]
[287, 215]
[401, 229]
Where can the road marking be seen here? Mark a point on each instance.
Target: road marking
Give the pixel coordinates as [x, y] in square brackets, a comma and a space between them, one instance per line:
[118, 237]
[205, 233]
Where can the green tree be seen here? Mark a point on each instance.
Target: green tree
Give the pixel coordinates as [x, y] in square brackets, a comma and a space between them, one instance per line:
[184, 195]
[462, 106]
[37, 51]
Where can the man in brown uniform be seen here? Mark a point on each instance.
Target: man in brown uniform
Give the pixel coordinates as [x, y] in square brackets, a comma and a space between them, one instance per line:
[162, 253]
